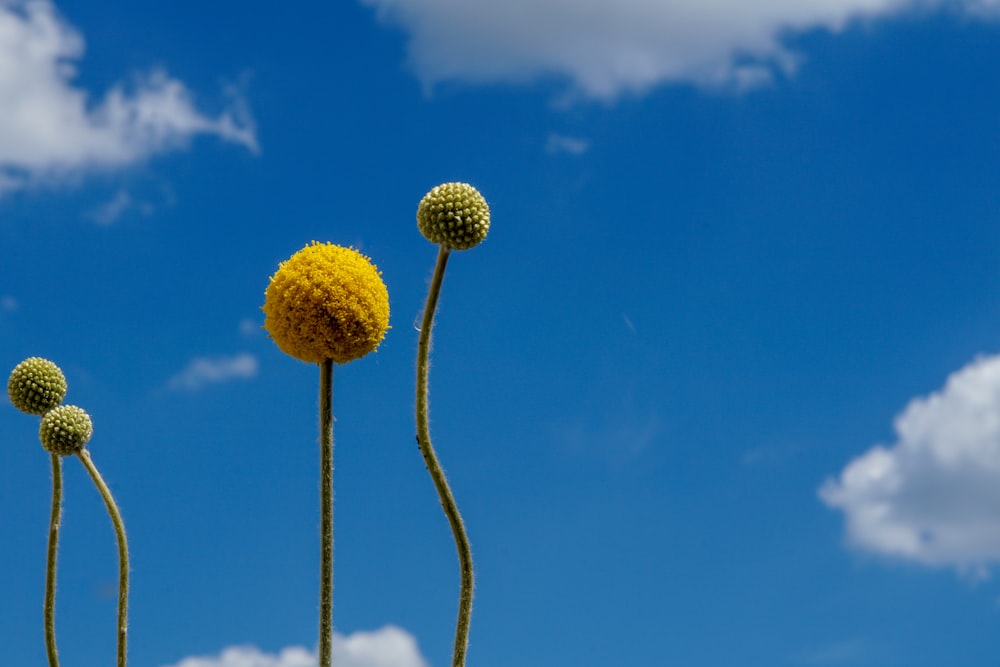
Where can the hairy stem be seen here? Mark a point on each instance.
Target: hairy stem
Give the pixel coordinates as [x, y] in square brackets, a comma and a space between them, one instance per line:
[437, 474]
[50, 563]
[116, 519]
[326, 513]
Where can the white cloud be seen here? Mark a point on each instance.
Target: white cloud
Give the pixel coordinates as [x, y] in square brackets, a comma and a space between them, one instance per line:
[388, 647]
[112, 210]
[49, 128]
[770, 455]
[607, 48]
[848, 652]
[213, 370]
[620, 438]
[933, 497]
[8, 303]
[249, 327]
[558, 143]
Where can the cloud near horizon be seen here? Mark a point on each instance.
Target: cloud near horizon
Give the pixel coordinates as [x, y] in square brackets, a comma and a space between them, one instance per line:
[204, 371]
[932, 497]
[387, 647]
[605, 49]
[50, 129]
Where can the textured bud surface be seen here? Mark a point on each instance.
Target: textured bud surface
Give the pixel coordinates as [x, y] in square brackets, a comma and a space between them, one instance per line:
[454, 215]
[327, 302]
[36, 386]
[65, 430]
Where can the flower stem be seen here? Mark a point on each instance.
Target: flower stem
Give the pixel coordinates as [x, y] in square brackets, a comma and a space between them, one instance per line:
[116, 519]
[50, 564]
[326, 513]
[437, 474]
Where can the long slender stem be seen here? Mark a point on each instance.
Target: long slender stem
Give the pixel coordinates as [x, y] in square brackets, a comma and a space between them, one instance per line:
[326, 513]
[50, 563]
[437, 474]
[116, 519]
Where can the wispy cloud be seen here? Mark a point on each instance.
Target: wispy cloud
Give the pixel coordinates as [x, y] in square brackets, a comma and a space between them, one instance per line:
[204, 371]
[620, 438]
[850, 652]
[8, 304]
[112, 210]
[249, 327]
[769, 455]
[49, 128]
[932, 497]
[608, 48]
[388, 647]
[558, 143]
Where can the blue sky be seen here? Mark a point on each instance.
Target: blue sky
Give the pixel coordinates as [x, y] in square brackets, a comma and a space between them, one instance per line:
[722, 387]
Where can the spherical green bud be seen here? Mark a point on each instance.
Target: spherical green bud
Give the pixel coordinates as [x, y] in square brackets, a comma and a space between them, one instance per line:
[65, 430]
[36, 386]
[454, 215]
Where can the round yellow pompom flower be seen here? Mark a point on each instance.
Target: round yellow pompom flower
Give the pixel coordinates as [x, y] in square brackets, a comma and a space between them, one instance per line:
[327, 302]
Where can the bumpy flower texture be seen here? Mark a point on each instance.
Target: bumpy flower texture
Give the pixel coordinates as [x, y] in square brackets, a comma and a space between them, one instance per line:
[65, 430]
[36, 386]
[454, 215]
[327, 302]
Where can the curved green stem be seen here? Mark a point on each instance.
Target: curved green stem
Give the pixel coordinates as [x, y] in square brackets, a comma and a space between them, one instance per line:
[50, 563]
[116, 519]
[437, 474]
[326, 513]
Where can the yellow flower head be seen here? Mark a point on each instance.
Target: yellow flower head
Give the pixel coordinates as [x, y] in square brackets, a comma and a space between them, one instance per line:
[454, 215]
[327, 302]
[65, 430]
[36, 386]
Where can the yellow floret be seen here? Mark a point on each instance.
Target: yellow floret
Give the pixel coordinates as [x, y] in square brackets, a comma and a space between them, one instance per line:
[327, 302]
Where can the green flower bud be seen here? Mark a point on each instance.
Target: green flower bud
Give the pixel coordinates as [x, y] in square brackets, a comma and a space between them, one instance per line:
[65, 430]
[454, 215]
[36, 386]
